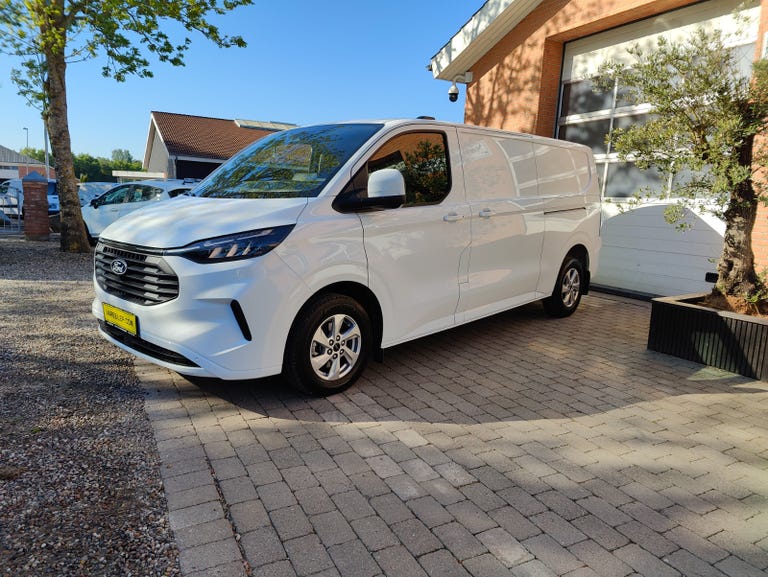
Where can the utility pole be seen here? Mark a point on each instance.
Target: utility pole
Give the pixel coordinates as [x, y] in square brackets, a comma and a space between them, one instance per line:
[45, 138]
[26, 152]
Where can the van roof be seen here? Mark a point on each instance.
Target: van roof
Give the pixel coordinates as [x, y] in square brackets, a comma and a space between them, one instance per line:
[390, 123]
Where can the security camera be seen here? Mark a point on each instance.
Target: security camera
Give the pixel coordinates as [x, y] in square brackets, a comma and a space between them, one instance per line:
[453, 93]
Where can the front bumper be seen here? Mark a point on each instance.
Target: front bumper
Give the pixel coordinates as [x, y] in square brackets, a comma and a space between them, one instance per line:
[198, 333]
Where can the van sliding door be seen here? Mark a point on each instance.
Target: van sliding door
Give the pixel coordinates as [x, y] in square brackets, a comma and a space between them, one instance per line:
[507, 223]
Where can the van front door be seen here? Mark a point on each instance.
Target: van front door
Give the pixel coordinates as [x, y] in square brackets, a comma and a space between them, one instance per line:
[415, 252]
[507, 223]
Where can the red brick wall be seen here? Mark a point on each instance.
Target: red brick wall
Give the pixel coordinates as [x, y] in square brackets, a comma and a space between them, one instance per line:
[24, 170]
[517, 83]
[36, 224]
[760, 232]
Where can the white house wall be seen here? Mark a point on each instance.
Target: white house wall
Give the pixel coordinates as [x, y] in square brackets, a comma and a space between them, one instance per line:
[158, 159]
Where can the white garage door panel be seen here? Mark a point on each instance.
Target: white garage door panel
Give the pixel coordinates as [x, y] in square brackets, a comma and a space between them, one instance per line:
[642, 253]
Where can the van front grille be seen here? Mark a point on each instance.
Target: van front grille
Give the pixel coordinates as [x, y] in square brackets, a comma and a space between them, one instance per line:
[135, 274]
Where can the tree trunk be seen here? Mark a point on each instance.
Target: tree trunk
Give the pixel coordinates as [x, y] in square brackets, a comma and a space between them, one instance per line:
[73, 236]
[736, 271]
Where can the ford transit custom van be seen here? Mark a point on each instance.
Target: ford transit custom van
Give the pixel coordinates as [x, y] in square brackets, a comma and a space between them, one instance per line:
[315, 248]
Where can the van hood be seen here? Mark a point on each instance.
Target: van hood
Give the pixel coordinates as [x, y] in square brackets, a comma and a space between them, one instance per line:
[184, 219]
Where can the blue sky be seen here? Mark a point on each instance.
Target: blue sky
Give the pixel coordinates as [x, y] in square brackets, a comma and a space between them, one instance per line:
[306, 62]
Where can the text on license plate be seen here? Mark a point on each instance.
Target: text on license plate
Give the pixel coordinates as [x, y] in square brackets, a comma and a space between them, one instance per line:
[121, 319]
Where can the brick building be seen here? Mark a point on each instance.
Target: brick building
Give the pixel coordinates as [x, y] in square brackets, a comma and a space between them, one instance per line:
[16, 165]
[185, 146]
[530, 62]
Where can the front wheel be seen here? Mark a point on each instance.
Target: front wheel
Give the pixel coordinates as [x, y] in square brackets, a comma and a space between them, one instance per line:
[329, 345]
[568, 289]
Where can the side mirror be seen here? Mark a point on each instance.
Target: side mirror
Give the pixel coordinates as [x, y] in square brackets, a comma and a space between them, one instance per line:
[386, 189]
[386, 182]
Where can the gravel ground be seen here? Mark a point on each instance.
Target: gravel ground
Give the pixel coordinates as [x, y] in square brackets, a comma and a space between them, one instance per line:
[80, 490]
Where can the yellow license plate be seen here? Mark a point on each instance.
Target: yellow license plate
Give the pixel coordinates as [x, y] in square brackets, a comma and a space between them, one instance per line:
[121, 319]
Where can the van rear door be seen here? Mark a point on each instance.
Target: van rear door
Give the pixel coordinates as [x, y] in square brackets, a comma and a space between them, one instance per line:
[565, 181]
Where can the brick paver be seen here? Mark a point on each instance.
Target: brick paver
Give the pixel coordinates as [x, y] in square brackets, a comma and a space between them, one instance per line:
[516, 445]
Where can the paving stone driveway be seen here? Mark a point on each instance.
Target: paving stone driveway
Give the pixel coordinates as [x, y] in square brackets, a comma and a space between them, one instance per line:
[517, 445]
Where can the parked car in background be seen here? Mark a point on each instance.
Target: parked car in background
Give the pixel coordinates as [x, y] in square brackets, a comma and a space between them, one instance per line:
[12, 197]
[87, 191]
[125, 198]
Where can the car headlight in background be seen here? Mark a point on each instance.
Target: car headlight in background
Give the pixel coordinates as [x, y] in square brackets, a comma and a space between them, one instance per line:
[238, 246]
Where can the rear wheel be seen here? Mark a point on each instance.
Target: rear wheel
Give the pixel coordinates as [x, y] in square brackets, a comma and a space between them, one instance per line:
[329, 345]
[568, 289]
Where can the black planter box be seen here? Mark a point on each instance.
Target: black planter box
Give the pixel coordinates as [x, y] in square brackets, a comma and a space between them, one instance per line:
[729, 341]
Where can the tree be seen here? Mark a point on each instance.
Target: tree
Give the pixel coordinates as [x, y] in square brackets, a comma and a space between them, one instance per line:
[87, 168]
[36, 153]
[703, 133]
[122, 160]
[49, 34]
[122, 156]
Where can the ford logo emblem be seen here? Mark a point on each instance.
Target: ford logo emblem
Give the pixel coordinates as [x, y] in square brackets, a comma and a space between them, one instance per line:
[119, 266]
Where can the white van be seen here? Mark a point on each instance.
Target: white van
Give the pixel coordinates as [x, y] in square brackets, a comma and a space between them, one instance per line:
[12, 197]
[315, 248]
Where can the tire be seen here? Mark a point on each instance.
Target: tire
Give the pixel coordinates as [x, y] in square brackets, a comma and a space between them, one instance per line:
[329, 345]
[569, 287]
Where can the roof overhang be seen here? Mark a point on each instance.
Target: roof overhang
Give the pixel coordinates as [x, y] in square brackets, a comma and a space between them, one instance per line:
[482, 32]
[198, 159]
[137, 174]
[263, 125]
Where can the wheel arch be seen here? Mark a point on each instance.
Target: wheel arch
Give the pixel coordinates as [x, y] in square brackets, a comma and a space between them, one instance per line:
[580, 252]
[363, 295]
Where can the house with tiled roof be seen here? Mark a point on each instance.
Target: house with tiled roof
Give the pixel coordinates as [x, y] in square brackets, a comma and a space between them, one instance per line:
[17, 165]
[184, 146]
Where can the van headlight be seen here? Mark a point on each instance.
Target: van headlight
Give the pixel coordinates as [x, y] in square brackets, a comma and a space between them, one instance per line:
[238, 246]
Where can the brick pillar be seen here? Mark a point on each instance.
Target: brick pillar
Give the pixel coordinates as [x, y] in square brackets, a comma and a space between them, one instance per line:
[36, 225]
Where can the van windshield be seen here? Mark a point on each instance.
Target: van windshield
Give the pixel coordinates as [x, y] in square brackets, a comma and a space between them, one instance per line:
[288, 164]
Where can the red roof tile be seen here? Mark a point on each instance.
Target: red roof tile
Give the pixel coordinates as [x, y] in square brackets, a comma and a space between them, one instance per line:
[202, 137]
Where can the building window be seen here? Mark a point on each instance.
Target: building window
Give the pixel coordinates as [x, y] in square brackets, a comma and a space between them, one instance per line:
[588, 117]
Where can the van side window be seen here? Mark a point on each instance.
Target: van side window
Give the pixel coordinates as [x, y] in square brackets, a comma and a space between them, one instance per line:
[421, 157]
[496, 167]
[562, 170]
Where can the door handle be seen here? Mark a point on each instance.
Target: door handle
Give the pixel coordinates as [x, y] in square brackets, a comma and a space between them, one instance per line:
[452, 217]
[486, 213]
